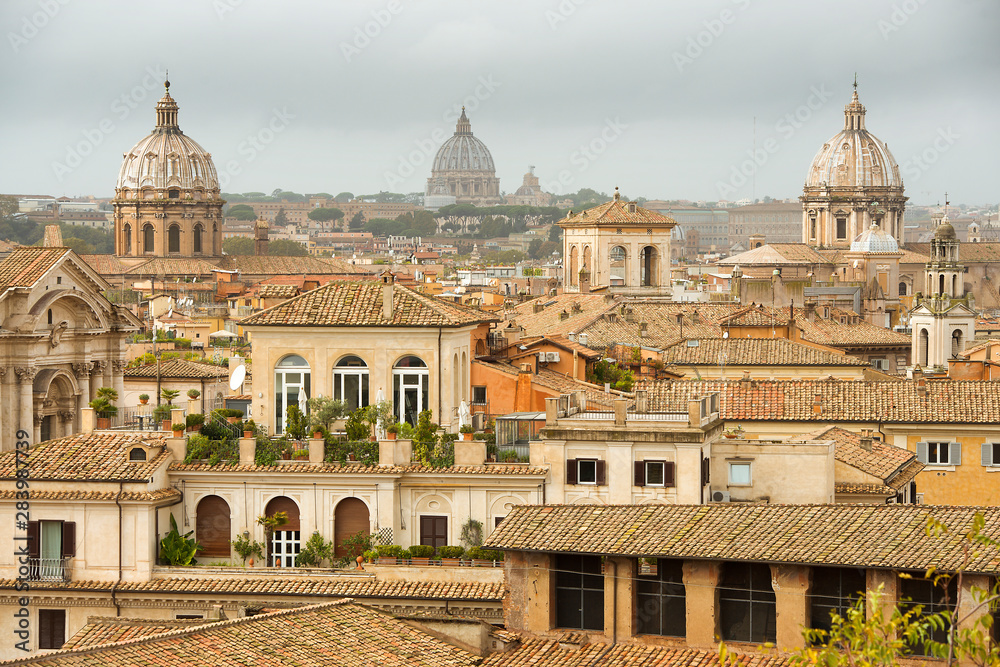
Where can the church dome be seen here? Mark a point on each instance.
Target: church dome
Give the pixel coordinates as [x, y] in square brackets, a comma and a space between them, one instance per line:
[167, 159]
[854, 157]
[874, 239]
[945, 230]
[463, 152]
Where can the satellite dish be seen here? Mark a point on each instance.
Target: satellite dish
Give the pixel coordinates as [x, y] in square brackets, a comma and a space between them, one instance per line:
[237, 378]
[725, 334]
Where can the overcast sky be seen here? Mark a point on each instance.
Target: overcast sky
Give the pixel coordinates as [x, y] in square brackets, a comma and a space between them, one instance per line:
[658, 98]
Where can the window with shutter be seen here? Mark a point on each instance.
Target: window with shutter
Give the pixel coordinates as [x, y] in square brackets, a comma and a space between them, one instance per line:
[68, 539]
[571, 471]
[51, 628]
[640, 473]
[990, 454]
[600, 473]
[706, 472]
[586, 471]
[668, 473]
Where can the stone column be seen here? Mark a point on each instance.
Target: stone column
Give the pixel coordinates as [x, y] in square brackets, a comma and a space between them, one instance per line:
[36, 421]
[26, 418]
[82, 373]
[66, 418]
[6, 435]
[701, 579]
[791, 584]
[118, 377]
[619, 598]
[97, 377]
[890, 592]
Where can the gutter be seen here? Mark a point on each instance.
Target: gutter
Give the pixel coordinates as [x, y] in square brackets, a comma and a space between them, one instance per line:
[114, 599]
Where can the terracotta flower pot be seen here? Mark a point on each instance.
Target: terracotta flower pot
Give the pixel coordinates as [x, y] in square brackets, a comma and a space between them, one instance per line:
[451, 562]
[466, 436]
[247, 434]
[232, 420]
[317, 434]
[143, 401]
[178, 434]
[391, 435]
[420, 561]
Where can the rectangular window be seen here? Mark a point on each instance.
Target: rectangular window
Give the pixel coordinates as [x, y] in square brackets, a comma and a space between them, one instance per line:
[740, 473]
[434, 530]
[479, 395]
[50, 544]
[579, 592]
[841, 229]
[939, 453]
[586, 471]
[932, 599]
[51, 628]
[660, 607]
[991, 454]
[834, 590]
[747, 607]
[654, 473]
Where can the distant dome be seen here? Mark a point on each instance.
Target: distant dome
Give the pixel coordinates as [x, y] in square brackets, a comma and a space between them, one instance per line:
[854, 157]
[463, 152]
[525, 191]
[874, 239]
[945, 231]
[167, 158]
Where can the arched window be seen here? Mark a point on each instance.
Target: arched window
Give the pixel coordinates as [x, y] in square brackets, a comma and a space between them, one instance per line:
[127, 240]
[465, 375]
[410, 388]
[147, 238]
[941, 284]
[922, 342]
[174, 239]
[954, 286]
[649, 266]
[350, 518]
[586, 259]
[291, 387]
[196, 239]
[956, 342]
[350, 382]
[902, 289]
[212, 527]
[285, 542]
[456, 379]
[574, 268]
[617, 268]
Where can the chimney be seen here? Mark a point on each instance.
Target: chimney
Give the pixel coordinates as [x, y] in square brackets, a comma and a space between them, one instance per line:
[53, 237]
[571, 336]
[918, 373]
[387, 293]
[577, 308]
[745, 381]
[695, 318]
[922, 387]
[866, 439]
[629, 314]
[642, 329]
[641, 401]
[818, 404]
[810, 311]
[584, 281]
[537, 307]
[563, 315]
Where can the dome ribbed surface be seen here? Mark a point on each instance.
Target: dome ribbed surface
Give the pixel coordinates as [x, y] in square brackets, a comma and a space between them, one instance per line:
[875, 239]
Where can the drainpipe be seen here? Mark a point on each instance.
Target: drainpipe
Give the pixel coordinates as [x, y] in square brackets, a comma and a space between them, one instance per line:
[440, 416]
[114, 599]
[614, 605]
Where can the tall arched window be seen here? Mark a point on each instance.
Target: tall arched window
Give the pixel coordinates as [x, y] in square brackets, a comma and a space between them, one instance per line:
[350, 382]
[285, 543]
[350, 518]
[174, 239]
[127, 239]
[147, 238]
[196, 239]
[922, 342]
[574, 268]
[586, 259]
[956, 342]
[902, 289]
[410, 388]
[648, 263]
[291, 387]
[212, 527]
[941, 284]
[617, 267]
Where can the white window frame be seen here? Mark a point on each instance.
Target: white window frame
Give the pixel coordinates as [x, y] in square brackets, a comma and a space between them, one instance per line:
[731, 465]
[579, 471]
[934, 450]
[340, 375]
[989, 454]
[663, 472]
[285, 544]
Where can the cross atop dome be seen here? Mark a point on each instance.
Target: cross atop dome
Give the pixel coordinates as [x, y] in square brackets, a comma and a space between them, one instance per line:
[166, 110]
[854, 113]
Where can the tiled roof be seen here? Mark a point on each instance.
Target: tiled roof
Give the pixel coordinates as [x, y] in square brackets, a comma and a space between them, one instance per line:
[561, 384]
[337, 633]
[293, 586]
[179, 368]
[549, 320]
[882, 461]
[98, 456]
[104, 264]
[173, 266]
[616, 212]
[563, 342]
[968, 352]
[274, 264]
[358, 469]
[987, 251]
[771, 255]
[113, 630]
[539, 653]
[945, 401]
[80, 495]
[860, 489]
[753, 352]
[832, 332]
[26, 265]
[277, 291]
[878, 536]
[354, 304]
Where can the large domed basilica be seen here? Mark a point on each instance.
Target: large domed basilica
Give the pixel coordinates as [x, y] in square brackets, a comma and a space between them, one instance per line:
[167, 200]
[853, 183]
[463, 168]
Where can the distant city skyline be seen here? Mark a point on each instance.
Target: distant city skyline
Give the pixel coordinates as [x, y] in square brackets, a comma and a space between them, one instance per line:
[701, 101]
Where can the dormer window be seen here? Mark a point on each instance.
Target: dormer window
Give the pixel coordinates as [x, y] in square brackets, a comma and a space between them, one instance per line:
[137, 454]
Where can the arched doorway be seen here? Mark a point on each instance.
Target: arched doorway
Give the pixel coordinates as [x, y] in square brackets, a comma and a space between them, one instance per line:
[350, 518]
[586, 259]
[649, 266]
[410, 388]
[617, 269]
[956, 343]
[148, 235]
[291, 380]
[285, 542]
[213, 528]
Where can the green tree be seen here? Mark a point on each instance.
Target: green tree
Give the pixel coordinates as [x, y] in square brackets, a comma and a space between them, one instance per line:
[418, 223]
[241, 212]
[80, 246]
[177, 549]
[548, 248]
[357, 221]
[326, 214]
[535, 249]
[280, 219]
[344, 197]
[287, 248]
[8, 206]
[383, 227]
[555, 233]
[238, 245]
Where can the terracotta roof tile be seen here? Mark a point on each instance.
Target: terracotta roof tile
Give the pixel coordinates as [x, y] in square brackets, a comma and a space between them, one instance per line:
[883, 461]
[580, 310]
[274, 264]
[113, 630]
[753, 352]
[878, 536]
[26, 265]
[358, 469]
[540, 653]
[81, 495]
[98, 456]
[179, 368]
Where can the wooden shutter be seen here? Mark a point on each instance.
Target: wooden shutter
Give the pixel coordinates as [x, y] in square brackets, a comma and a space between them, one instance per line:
[212, 527]
[987, 459]
[571, 471]
[68, 539]
[668, 473]
[350, 518]
[922, 452]
[706, 471]
[34, 544]
[640, 473]
[287, 505]
[955, 455]
[51, 628]
[602, 478]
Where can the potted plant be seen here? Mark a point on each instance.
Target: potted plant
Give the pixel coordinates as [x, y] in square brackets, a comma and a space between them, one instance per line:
[169, 395]
[233, 416]
[161, 413]
[194, 422]
[247, 548]
[391, 431]
[388, 554]
[249, 428]
[271, 523]
[420, 554]
[193, 394]
[466, 432]
[301, 455]
[178, 429]
[484, 557]
[104, 406]
[733, 432]
[143, 399]
[451, 555]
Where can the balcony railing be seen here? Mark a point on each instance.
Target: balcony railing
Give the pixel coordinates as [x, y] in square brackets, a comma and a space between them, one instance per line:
[48, 569]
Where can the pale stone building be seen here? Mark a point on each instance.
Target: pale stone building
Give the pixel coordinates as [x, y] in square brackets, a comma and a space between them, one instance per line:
[463, 168]
[530, 193]
[620, 245]
[853, 183]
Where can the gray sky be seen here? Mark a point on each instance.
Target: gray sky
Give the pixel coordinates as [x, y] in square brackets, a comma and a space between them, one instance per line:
[658, 98]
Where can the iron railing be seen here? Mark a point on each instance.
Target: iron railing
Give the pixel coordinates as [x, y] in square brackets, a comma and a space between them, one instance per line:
[48, 569]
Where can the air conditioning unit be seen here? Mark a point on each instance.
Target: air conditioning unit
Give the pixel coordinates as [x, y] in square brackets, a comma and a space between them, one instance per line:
[543, 357]
[720, 496]
[551, 356]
